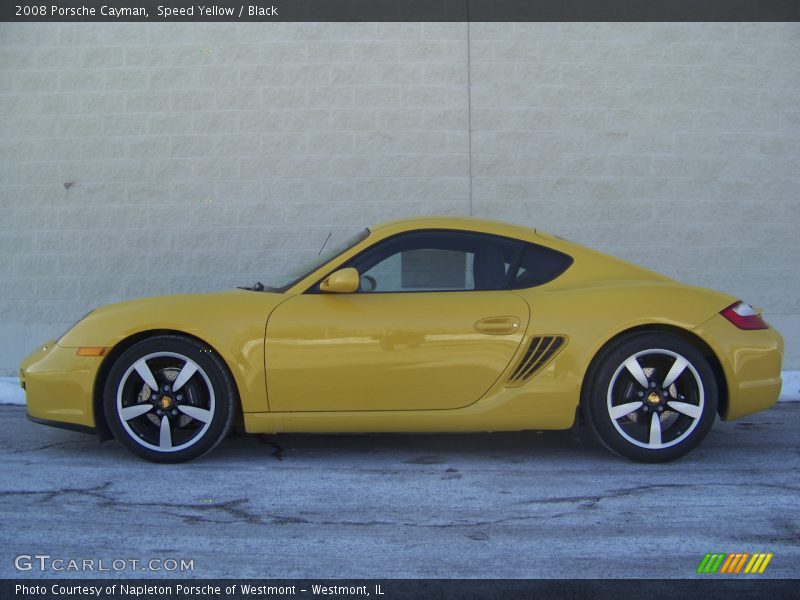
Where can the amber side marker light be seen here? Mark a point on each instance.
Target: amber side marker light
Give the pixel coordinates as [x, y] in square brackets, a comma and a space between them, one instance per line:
[744, 316]
[93, 351]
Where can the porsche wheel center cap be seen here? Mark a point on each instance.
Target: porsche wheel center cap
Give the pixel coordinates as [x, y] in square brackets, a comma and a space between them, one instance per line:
[165, 402]
[653, 398]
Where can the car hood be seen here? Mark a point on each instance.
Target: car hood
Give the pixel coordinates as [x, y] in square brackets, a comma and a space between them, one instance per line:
[197, 314]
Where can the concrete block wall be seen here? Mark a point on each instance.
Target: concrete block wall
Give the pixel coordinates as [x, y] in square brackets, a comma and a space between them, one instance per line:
[674, 145]
[140, 159]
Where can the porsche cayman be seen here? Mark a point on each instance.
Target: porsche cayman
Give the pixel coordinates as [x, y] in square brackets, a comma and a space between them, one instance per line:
[425, 325]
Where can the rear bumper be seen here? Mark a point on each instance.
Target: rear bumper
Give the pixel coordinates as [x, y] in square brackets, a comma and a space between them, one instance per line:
[751, 363]
[59, 386]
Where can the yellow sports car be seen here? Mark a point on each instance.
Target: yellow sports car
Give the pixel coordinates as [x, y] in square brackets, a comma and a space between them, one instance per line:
[432, 324]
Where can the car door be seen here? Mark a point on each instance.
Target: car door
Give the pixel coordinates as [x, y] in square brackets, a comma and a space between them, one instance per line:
[432, 327]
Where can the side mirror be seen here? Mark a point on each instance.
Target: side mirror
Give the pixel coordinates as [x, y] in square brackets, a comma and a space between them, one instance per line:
[343, 281]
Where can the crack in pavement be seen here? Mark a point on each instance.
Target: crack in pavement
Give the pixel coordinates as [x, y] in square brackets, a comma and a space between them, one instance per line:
[99, 493]
[52, 445]
[591, 501]
[791, 529]
[237, 510]
[278, 453]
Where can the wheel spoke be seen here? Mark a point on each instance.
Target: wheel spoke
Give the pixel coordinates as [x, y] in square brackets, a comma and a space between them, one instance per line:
[165, 435]
[619, 411]
[189, 369]
[131, 412]
[690, 410]
[677, 368]
[201, 414]
[655, 430]
[635, 369]
[144, 372]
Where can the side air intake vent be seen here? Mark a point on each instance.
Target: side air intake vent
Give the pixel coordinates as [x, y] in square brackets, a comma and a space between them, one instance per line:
[541, 351]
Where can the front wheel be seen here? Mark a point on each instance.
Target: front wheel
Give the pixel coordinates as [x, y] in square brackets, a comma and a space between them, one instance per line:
[169, 399]
[652, 397]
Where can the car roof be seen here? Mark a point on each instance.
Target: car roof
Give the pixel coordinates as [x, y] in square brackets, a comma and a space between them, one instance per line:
[457, 222]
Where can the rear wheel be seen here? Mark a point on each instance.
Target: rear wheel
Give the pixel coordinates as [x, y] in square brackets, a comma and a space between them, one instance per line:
[653, 397]
[169, 399]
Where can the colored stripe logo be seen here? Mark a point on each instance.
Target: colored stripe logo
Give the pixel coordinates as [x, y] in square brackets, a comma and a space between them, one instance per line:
[735, 563]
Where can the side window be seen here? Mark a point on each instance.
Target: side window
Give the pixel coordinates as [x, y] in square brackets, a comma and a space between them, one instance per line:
[538, 265]
[437, 261]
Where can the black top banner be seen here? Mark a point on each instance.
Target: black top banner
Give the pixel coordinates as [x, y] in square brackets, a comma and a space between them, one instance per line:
[400, 10]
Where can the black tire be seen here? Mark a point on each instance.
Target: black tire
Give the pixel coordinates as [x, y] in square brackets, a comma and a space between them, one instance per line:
[139, 417]
[671, 420]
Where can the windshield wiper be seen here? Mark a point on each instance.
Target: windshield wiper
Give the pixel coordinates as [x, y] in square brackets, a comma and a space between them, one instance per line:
[258, 287]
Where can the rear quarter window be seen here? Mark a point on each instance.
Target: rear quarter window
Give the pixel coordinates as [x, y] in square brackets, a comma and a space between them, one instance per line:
[539, 265]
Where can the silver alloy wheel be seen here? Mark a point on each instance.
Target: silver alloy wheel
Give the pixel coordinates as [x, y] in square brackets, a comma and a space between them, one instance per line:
[661, 401]
[176, 402]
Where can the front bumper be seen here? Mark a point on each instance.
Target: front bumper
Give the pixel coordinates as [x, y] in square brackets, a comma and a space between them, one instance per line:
[59, 386]
[751, 362]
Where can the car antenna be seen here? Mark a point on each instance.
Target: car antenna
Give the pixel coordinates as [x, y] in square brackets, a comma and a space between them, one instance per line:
[325, 242]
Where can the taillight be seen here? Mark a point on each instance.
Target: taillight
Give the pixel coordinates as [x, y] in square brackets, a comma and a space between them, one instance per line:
[744, 316]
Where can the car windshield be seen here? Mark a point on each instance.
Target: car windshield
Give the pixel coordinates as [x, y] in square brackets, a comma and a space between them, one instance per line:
[281, 284]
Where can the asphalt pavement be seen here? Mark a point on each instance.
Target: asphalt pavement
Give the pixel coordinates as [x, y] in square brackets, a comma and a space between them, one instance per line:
[395, 506]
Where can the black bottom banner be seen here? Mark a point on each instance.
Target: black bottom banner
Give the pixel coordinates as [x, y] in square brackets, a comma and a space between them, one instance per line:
[391, 589]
